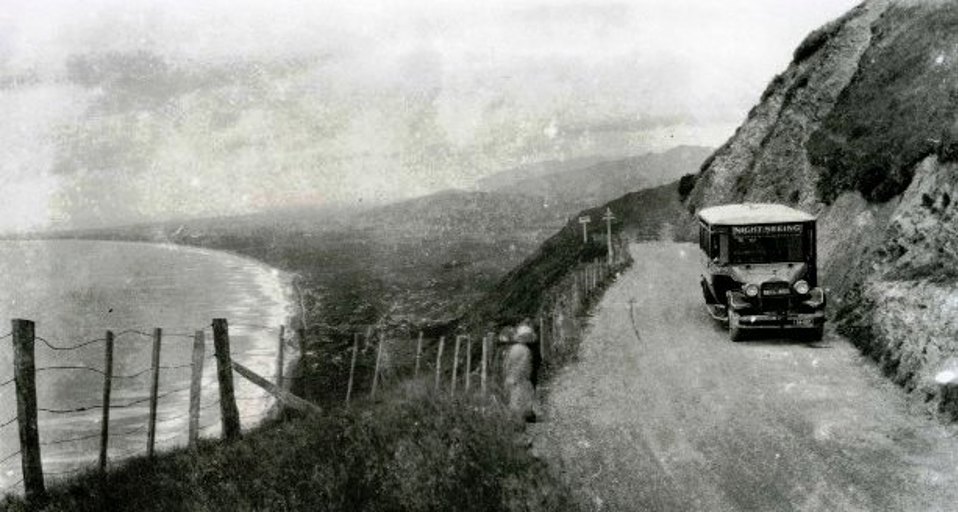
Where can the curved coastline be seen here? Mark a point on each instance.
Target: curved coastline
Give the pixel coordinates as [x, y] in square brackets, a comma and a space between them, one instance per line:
[275, 287]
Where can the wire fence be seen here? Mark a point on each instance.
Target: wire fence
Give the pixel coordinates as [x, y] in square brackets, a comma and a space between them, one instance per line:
[155, 425]
[379, 359]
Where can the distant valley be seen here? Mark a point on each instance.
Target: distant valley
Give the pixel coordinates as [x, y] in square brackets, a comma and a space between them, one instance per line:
[425, 259]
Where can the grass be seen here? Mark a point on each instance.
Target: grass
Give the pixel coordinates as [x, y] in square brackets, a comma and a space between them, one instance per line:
[899, 108]
[405, 453]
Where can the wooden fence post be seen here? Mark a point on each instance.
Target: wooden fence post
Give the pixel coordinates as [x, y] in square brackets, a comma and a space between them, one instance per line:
[485, 356]
[379, 353]
[557, 332]
[468, 362]
[107, 388]
[196, 385]
[154, 391]
[542, 335]
[24, 370]
[455, 363]
[352, 367]
[442, 343]
[224, 372]
[301, 337]
[280, 356]
[418, 355]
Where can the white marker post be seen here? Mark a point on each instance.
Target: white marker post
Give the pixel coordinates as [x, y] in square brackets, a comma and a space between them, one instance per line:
[584, 220]
[608, 218]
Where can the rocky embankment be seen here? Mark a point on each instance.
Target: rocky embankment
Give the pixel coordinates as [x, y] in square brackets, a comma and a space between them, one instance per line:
[861, 129]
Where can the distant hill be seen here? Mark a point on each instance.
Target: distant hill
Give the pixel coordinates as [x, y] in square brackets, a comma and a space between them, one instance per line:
[454, 212]
[504, 180]
[647, 214]
[574, 187]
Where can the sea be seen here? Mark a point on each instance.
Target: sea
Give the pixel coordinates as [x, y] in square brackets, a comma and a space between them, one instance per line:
[76, 290]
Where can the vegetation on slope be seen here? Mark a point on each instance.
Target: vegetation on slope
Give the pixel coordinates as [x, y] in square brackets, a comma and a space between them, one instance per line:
[642, 215]
[415, 453]
[604, 181]
[901, 106]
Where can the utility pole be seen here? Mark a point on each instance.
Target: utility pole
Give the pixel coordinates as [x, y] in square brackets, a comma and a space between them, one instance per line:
[584, 220]
[608, 218]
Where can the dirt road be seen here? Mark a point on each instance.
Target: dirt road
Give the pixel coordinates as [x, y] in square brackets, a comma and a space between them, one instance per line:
[665, 413]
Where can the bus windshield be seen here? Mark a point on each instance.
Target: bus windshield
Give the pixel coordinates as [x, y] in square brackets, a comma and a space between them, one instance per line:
[750, 247]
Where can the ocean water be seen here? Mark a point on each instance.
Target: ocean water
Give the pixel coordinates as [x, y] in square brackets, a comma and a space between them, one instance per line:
[76, 290]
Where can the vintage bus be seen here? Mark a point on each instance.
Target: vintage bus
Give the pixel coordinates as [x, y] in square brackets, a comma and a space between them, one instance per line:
[760, 270]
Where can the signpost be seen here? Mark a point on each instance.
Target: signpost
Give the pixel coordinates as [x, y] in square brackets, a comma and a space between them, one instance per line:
[608, 218]
[584, 220]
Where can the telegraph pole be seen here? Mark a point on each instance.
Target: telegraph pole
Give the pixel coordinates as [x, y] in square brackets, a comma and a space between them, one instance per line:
[608, 218]
[584, 220]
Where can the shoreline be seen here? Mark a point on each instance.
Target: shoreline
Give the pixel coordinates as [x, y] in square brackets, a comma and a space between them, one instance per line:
[274, 289]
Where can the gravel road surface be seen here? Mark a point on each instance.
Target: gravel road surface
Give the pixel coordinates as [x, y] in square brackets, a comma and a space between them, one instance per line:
[663, 412]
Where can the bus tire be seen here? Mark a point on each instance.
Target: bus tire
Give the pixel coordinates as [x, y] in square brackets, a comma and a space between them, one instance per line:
[735, 332]
[816, 333]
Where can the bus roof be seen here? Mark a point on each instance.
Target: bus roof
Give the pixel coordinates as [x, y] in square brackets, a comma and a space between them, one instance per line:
[752, 213]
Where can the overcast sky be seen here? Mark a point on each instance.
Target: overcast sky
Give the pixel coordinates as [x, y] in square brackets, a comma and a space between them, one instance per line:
[122, 111]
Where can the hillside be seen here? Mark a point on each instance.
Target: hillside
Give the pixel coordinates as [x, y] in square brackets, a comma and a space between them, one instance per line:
[578, 187]
[861, 130]
[509, 178]
[428, 258]
[647, 214]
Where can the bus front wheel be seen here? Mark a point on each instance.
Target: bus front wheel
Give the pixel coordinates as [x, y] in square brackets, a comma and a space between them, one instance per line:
[735, 332]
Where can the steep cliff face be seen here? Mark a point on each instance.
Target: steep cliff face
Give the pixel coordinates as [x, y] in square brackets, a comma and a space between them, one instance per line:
[861, 129]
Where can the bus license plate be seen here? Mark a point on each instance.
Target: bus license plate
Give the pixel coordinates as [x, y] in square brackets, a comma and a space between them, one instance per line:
[803, 322]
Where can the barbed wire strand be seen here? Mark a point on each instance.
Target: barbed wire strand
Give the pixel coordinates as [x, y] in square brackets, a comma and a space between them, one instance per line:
[176, 367]
[169, 438]
[178, 335]
[8, 457]
[126, 453]
[7, 335]
[131, 432]
[8, 422]
[172, 418]
[133, 375]
[213, 404]
[9, 487]
[112, 406]
[132, 331]
[11, 380]
[70, 440]
[85, 368]
[78, 346]
[255, 326]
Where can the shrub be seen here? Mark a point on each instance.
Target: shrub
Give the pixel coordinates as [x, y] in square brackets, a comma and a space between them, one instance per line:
[686, 184]
[887, 119]
[814, 41]
[948, 146]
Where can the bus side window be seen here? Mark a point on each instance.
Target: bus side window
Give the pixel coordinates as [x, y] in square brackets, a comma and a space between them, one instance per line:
[716, 250]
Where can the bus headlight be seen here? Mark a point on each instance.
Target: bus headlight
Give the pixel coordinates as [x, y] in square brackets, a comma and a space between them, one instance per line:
[751, 290]
[801, 287]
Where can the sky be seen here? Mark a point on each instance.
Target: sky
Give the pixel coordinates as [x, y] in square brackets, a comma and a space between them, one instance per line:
[127, 111]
